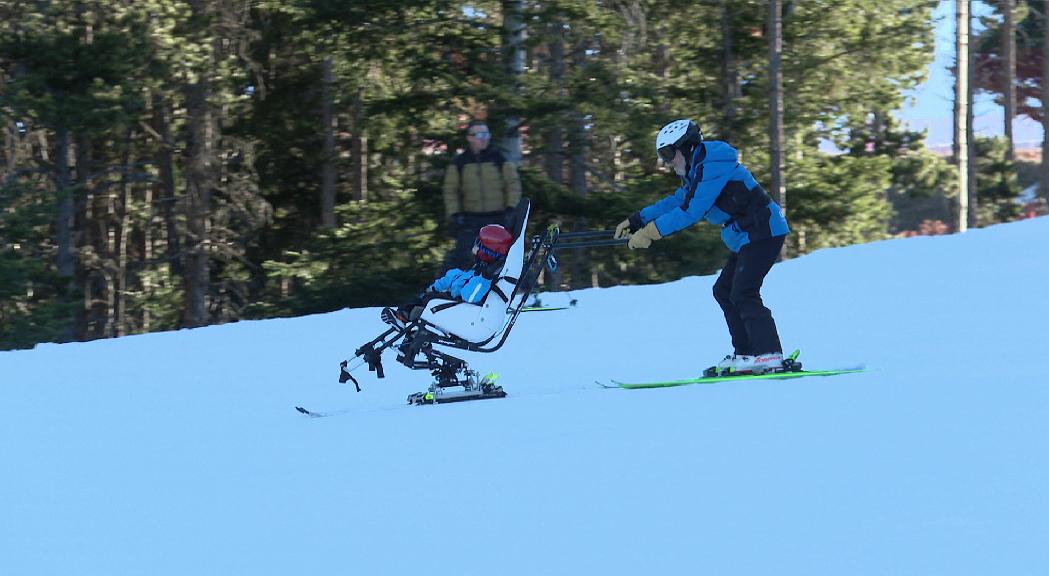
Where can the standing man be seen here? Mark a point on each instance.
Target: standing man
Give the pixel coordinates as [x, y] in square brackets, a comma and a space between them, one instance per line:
[480, 188]
[717, 188]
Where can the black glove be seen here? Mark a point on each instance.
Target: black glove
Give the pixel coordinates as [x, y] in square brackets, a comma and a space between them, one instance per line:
[629, 226]
[636, 223]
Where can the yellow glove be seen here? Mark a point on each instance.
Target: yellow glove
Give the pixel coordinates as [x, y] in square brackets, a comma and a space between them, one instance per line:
[643, 238]
[623, 230]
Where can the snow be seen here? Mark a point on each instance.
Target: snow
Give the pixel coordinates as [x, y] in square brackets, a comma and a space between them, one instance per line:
[180, 453]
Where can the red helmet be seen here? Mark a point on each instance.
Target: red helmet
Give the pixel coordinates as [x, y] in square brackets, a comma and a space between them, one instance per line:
[493, 242]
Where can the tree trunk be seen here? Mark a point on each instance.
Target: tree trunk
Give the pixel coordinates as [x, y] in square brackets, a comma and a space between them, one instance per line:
[1045, 103]
[166, 184]
[199, 181]
[776, 131]
[87, 223]
[514, 52]
[579, 139]
[359, 150]
[64, 225]
[146, 257]
[201, 170]
[554, 157]
[961, 112]
[729, 74]
[120, 322]
[970, 137]
[661, 69]
[10, 157]
[579, 150]
[329, 154]
[1009, 61]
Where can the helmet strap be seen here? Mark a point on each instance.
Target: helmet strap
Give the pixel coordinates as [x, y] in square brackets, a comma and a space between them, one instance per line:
[688, 158]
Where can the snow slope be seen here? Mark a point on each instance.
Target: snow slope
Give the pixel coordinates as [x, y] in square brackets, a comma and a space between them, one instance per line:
[180, 453]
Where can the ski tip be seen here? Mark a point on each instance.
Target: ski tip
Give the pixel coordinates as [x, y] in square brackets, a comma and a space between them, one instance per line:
[857, 368]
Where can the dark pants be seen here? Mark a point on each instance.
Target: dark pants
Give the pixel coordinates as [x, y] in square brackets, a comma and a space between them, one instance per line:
[465, 233]
[412, 309]
[738, 291]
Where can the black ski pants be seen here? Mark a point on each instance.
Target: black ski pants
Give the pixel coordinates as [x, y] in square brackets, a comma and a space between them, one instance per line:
[738, 291]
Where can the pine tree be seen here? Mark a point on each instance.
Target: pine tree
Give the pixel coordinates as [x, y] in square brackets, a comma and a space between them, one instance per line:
[182, 163]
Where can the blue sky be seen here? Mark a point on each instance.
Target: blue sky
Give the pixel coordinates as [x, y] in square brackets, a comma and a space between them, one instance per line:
[930, 106]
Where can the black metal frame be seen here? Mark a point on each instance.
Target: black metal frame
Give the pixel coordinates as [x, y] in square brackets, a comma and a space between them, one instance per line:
[419, 336]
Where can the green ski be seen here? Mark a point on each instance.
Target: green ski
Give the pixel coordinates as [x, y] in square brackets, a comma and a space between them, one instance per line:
[791, 369]
[717, 379]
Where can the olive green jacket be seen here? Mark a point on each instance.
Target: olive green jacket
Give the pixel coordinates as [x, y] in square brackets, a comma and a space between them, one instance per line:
[480, 183]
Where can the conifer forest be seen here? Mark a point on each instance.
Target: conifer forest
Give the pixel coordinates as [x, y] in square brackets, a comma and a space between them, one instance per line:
[178, 163]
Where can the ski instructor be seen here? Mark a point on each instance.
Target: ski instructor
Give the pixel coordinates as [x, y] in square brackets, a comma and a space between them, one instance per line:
[717, 188]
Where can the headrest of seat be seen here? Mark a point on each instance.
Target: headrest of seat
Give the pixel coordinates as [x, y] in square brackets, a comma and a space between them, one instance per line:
[520, 217]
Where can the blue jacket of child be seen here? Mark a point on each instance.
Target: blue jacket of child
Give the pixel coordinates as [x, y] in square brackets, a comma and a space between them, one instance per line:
[466, 285]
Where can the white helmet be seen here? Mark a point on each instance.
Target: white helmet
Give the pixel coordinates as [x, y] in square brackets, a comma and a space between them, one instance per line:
[683, 134]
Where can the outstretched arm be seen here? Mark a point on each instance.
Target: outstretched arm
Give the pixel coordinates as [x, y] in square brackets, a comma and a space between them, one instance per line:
[697, 197]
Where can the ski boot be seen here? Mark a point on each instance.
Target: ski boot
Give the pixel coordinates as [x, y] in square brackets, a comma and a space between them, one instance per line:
[721, 367]
[395, 318]
[759, 364]
[737, 365]
[471, 389]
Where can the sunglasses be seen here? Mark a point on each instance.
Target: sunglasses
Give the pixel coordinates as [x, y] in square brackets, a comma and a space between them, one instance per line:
[666, 154]
[482, 249]
[479, 134]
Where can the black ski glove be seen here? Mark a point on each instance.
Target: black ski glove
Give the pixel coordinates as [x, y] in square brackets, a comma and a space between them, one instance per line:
[629, 226]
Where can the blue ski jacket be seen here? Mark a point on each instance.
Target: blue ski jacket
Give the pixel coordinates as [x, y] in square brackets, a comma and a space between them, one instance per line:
[721, 191]
[466, 285]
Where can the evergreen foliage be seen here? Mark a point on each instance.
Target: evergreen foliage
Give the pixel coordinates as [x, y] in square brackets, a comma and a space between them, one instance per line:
[989, 74]
[30, 310]
[166, 164]
[996, 183]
